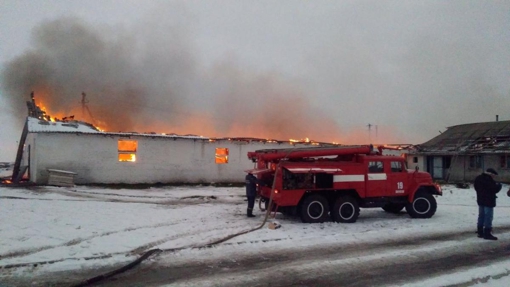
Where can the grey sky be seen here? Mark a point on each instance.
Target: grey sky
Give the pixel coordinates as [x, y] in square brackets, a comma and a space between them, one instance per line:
[410, 67]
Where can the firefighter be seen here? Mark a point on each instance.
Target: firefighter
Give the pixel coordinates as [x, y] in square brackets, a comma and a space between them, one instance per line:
[251, 192]
[486, 188]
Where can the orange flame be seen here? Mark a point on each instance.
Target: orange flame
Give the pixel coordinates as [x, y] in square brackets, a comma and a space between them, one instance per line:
[305, 140]
[60, 116]
[42, 106]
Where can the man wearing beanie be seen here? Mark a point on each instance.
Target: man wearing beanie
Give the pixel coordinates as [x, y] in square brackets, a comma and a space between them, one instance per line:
[486, 188]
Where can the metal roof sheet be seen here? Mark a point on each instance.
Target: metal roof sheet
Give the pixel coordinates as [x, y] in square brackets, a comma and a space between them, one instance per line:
[475, 137]
[36, 125]
[42, 126]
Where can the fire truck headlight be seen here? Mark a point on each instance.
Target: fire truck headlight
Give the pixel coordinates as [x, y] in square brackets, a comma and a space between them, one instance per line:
[439, 189]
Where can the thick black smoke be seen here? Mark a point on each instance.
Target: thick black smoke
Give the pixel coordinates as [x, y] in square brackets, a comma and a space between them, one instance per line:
[121, 75]
[148, 80]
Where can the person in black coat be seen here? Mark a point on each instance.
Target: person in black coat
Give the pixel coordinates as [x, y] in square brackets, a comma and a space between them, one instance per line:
[251, 192]
[486, 188]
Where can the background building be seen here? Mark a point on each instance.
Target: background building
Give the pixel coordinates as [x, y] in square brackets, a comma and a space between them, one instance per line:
[464, 151]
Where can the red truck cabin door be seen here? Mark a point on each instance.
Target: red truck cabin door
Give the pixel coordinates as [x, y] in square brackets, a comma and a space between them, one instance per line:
[397, 179]
[376, 178]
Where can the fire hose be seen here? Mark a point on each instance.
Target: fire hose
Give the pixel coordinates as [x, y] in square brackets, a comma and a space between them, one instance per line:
[157, 251]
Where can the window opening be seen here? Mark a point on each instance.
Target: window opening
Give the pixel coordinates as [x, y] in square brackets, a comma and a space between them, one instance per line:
[127, 150]
[447, 161]
[221, 155]
[396, 166]
[475, 161]
[505, 161]
[376, 166]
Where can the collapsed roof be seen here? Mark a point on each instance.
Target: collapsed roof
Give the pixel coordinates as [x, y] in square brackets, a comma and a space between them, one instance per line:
[488, 137]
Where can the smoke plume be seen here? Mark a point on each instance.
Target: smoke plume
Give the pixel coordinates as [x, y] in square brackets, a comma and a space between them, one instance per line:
[150, 82]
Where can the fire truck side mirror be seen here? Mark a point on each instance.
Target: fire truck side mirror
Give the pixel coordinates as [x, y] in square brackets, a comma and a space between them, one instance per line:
[416, 168]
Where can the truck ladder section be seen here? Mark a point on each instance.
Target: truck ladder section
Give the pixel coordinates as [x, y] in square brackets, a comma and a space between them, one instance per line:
[278, 154]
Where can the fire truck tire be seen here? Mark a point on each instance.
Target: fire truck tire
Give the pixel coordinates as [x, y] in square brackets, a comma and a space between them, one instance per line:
[345, 209]
[314, 209]
[393, 207]
[424, 205]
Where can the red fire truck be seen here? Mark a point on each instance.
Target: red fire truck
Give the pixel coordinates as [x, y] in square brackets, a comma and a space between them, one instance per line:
[320, 184]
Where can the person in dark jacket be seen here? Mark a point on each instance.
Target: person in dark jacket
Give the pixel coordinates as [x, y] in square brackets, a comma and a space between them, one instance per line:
[251, 192]
[486, 188]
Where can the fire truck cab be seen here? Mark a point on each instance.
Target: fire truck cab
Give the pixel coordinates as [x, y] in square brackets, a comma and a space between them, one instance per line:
[320, 184]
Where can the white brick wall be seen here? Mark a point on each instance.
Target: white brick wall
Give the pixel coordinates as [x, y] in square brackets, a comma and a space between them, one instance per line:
[94, 157]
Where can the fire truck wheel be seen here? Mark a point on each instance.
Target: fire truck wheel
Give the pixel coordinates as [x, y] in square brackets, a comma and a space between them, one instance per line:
[393, 207]
[314, 209]
[424, 205]
[345, 210]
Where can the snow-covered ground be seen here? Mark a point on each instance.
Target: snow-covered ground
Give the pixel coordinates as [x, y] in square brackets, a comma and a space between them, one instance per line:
[50, 229]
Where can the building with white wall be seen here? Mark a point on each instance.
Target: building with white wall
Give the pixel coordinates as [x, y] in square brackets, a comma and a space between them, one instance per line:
[131, 158]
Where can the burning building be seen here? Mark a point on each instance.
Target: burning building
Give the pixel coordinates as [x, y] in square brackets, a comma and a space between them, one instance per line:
[97, 157]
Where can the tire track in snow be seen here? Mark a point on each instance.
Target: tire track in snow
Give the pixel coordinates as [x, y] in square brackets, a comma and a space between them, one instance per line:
[132, 252]
[471, 205]
[190, 200]
[153, 244]
[25, 252]
[238, 271]
[152, 197]
[354, 264]
[482, 280]
[45, 199]
[76, 241]
[165, 200]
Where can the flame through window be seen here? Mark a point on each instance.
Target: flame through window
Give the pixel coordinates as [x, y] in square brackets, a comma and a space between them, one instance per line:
[221, 155]
[127, 150]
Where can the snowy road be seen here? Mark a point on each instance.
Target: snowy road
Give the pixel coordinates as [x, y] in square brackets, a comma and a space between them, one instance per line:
[61, 236]
[389, 262]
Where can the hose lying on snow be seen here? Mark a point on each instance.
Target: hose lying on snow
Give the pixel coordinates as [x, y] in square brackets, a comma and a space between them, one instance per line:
[268, 211]
[157, 251]
[118, 271]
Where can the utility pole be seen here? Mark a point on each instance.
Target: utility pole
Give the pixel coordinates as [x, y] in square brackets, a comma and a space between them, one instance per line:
[84, 108]
[84, 102]
[369, 132]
